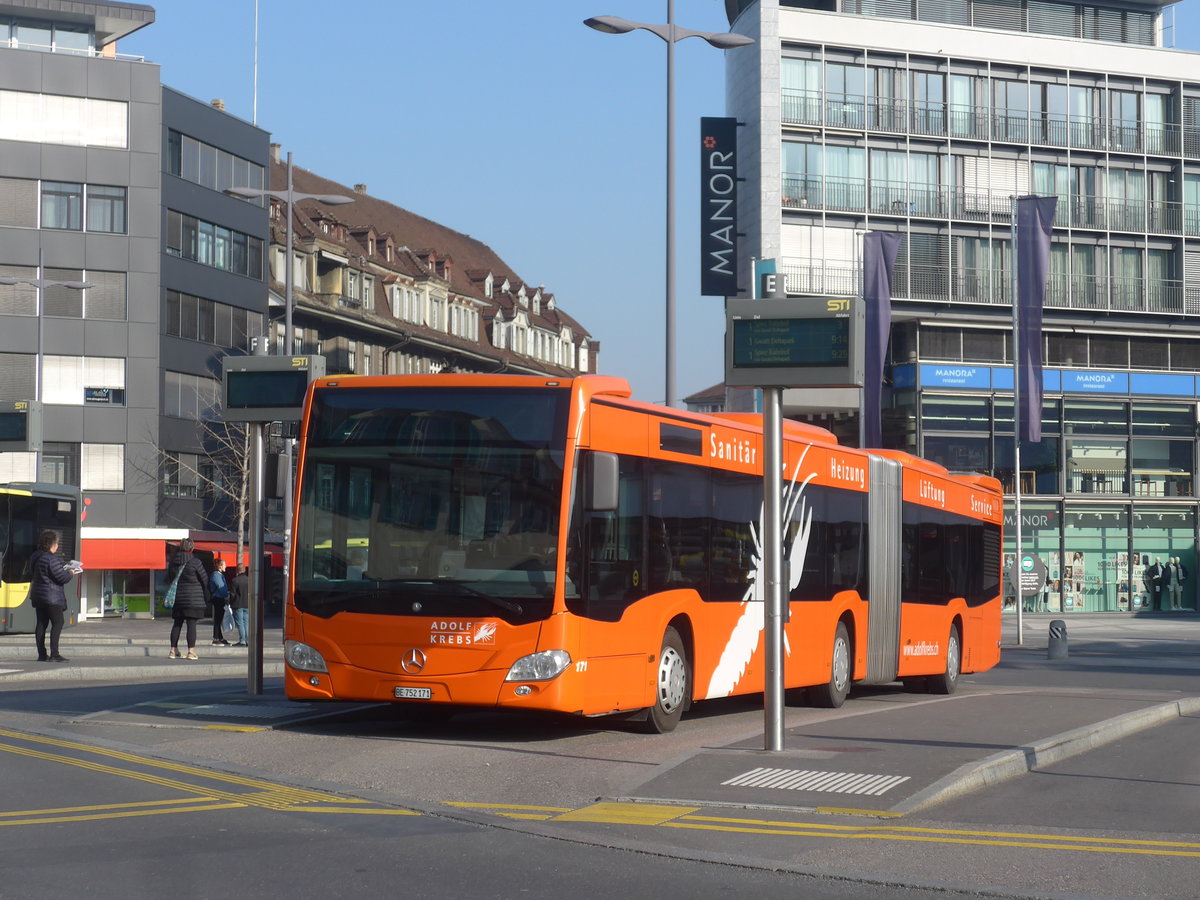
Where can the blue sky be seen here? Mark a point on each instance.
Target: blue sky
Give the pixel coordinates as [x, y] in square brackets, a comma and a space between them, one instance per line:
[509, 121]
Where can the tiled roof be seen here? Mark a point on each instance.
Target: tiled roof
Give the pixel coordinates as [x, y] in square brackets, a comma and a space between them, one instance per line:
[469, 256]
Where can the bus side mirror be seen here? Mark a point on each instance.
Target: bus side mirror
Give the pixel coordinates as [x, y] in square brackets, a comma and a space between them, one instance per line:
[602, 482]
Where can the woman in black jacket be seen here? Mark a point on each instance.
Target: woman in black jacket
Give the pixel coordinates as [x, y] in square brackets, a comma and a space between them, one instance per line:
[48, 574]
[191, 597]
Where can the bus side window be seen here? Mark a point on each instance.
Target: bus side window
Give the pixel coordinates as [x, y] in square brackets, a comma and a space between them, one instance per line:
[846, 539]
[736, 505]
[814, 565]
[678, 522]
[615, 571]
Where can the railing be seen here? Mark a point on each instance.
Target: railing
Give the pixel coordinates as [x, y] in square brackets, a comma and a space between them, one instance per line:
[933, 201]
[340, 300]
[70, 51]
[994, 287]
[859, 112]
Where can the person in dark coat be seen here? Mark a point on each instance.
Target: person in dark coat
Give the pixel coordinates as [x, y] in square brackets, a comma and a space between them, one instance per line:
[191, 596]
[48, 574]
[239, 602]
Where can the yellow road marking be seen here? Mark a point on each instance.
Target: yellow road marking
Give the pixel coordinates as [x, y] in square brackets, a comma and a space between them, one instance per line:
[245, 728]
[357, 811]
[860, 830]
[467, 805]
[105, 817]
[96, 808]
[260, 793]
[626, 813]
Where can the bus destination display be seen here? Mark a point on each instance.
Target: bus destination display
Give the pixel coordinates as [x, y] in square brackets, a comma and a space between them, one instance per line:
[778, 343]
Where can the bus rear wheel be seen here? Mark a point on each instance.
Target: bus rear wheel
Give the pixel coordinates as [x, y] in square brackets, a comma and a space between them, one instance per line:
[672, 685]
[948, 680]
[833, 694]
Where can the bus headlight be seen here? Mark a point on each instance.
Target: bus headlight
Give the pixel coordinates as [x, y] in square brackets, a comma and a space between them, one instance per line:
[539, 666]
[303, 657]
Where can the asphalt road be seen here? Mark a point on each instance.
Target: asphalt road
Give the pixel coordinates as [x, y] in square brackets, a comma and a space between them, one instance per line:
[528, 806]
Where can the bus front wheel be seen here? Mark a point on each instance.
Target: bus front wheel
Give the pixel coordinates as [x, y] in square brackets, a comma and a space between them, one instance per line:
[672, 685]
[948, 680]
[834, 693]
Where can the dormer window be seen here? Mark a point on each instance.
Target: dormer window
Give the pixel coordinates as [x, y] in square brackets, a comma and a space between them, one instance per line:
[488, 286]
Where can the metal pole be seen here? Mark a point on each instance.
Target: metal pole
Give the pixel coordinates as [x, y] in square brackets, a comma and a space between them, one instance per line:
[670, 286]
[1016, 577]
[254, 113]
[254, 661]
[288, 350]
[254, 576]
[772, 544]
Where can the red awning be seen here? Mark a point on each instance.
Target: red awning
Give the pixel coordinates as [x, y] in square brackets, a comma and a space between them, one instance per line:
[227, 550]
[123, 553]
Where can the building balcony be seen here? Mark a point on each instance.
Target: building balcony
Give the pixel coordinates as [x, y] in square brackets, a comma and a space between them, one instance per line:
[993, 287]
[937, 119]
[340, 300]
[1119, 214]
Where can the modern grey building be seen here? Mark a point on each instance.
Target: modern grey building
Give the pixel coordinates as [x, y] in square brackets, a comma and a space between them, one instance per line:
[80, 179]
[927, 117]
[108, 178]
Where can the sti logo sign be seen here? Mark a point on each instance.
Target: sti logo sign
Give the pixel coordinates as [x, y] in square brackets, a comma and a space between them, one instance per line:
[718, 207]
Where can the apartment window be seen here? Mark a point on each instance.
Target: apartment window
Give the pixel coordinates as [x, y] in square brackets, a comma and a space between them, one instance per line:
[106, 208]
[211, 321]
[180, 474]
[57, 119]
[83, 380]
[59, 463]
[62, 205]
[18, 376]
[19, 202]
[212, 245]
[102, 467]
[187, 396]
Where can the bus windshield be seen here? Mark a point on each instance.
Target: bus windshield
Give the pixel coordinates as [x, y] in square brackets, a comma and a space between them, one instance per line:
[431, 501]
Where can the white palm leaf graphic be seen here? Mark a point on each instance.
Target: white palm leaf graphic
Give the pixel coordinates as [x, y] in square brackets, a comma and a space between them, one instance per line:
[744, 639]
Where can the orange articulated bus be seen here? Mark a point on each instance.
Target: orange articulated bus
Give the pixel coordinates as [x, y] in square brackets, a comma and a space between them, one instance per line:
[532, 543]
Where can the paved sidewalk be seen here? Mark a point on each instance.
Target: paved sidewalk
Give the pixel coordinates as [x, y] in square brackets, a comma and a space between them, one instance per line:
[120, 649]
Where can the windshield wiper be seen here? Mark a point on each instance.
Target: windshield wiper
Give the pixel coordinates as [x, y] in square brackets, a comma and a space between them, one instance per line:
[510, 605]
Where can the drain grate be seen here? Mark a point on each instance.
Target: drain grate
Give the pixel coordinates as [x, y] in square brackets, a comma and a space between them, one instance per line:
[822, 782]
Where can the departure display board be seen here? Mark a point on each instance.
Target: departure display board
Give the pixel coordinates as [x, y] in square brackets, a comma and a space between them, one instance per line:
[771, 343]
[797, 342]
[267, 388]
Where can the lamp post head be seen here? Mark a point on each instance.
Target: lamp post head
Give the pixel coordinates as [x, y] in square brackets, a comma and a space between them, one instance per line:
[610, 24]
[331, 199]
[727, 40]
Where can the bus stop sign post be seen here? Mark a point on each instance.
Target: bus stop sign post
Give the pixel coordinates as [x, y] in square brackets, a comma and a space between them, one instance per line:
[772, 344]
[773, 564]
[258, 390]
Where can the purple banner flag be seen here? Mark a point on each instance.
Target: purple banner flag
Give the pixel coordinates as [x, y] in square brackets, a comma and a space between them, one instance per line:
[879, 255]
[1035, 219]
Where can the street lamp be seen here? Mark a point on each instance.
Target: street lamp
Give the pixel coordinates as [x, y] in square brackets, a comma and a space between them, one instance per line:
[671, 34]
[290, 198]
[39, 284]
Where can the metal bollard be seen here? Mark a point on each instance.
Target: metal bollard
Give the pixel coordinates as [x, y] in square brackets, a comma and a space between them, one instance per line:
[1057, 647]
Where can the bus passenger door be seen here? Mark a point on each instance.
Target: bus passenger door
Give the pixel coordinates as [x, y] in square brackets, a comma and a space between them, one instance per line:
[615, 578]
[884, 516]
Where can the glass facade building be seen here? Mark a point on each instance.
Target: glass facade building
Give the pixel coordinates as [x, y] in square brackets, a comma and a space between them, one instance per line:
[928, 119]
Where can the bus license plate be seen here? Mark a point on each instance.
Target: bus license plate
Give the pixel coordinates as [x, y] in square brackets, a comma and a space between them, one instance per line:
[410, 693]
